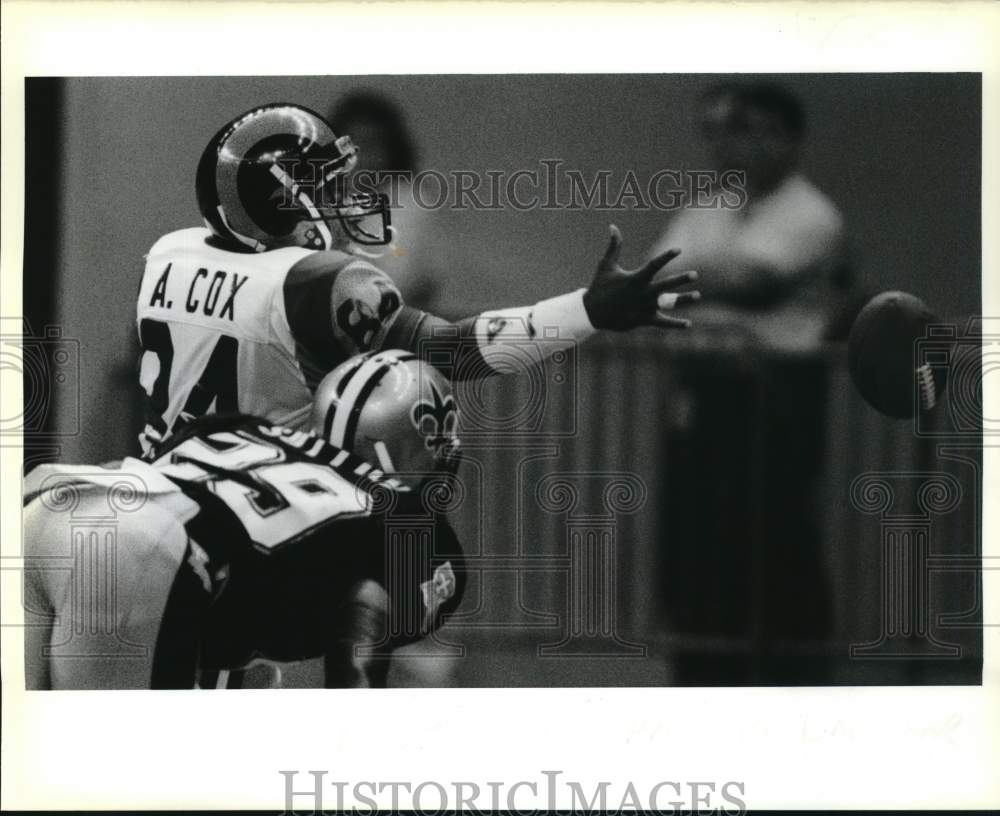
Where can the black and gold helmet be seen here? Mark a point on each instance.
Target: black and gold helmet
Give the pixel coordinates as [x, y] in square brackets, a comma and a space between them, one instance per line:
[275, 177]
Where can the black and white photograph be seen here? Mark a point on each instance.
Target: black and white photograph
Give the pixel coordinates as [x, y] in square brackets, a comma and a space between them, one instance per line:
[420, 382]
[693, 456]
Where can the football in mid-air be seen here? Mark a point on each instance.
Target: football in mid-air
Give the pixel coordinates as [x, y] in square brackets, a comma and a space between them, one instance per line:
[882, 359]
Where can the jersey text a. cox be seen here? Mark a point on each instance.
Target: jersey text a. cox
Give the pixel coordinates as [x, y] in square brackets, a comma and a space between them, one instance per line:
[204, 293]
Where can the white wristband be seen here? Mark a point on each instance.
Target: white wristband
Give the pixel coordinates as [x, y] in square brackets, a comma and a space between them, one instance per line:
[509, 337]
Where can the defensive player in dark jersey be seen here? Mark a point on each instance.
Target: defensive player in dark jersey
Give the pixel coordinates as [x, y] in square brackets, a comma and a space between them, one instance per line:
[248, 313]
[243, 541]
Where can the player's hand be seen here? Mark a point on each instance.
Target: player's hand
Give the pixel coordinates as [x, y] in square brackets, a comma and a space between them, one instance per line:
[620, 299]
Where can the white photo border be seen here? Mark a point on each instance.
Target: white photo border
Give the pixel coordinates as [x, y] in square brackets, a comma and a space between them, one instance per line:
[898, 747]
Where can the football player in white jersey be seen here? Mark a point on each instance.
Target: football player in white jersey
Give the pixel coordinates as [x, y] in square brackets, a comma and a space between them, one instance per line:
[249, 312]
[243, 541]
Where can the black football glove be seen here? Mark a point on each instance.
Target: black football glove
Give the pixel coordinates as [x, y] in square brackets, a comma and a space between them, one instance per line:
[620, 300]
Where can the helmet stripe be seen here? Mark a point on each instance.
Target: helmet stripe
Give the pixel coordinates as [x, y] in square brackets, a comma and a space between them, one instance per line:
[331, 408]
[353, 417]
[331, 411]
[384, 459]
[356, 393]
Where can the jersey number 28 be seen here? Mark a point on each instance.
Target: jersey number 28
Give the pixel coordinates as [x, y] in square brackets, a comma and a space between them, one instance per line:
[277, 501]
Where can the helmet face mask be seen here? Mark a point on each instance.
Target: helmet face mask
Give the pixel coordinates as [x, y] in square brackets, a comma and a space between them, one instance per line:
[360, 218]
[394, 411]
[273, 177]
[365, 218]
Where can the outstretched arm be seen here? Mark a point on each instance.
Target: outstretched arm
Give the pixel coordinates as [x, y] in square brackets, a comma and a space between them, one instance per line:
[617, 299]
[357, 653]
[338, 306]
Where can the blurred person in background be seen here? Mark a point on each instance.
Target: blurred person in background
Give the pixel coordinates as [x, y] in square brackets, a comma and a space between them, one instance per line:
[389, 160]
[775, 261]
[747, 447]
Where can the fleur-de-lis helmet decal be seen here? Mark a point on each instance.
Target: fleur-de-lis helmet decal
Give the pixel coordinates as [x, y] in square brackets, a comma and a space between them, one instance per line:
[437, 422]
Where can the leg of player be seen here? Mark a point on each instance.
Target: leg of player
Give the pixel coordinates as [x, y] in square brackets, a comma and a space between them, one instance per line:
[99, 606]
[179, 621]
[44, 586]
[357, 656]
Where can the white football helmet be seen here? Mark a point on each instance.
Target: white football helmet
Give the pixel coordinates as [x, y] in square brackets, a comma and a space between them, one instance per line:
[393, 410]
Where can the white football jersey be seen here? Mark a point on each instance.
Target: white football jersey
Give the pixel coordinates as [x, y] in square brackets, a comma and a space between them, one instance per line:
[250, 333]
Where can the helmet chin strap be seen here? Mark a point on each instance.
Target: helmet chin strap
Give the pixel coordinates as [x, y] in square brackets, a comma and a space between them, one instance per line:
[314, 215]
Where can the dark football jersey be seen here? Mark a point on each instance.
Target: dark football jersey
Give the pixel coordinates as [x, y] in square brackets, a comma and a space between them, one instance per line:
[288, 524]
